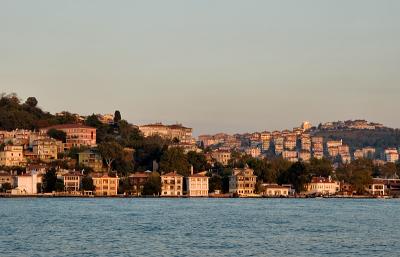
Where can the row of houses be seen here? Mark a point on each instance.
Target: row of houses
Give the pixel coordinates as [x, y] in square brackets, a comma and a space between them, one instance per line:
[242, 183]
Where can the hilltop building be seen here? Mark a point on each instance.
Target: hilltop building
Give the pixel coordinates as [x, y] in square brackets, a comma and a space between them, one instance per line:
[77, 135]
[221, 156]
[92, 159]
[391, 155]
[12, 155]
[179, 132]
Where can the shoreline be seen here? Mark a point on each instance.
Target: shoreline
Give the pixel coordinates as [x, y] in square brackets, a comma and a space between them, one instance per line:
[187, 197]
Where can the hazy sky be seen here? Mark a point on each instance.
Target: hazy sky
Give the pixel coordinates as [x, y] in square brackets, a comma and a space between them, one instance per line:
[216, 65]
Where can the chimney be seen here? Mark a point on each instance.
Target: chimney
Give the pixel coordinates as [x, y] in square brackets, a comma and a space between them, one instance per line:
[191, 170]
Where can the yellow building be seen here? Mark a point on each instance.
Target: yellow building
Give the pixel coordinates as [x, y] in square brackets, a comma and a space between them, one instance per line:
[46, 149]
[179, 132]
[12, 155]
[222, 157]
[242, 182]
[105, 185]
[91, 159]
[171, 184]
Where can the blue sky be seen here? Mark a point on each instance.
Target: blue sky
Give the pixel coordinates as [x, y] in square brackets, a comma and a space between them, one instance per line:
[216, 65]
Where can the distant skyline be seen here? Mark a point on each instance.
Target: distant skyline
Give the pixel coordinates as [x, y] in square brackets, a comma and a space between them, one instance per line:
[217, 66]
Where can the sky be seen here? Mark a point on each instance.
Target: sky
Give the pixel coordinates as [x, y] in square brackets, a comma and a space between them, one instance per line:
[214, 65]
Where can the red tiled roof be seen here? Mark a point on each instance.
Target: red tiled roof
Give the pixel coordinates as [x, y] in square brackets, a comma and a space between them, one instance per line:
[172, 174]
[139, 175]
[275, 186]
[321, 180]
[67, 126]
[197, 175]
[73, 173]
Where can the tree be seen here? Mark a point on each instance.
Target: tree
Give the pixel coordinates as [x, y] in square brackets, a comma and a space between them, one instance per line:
[59, 186]
[110, 151]
[360, 179]
[93, 121]
[387, 171]
[148, 150]
[50, 180]
[87, 184]
[198, 161]
[125, 186]
[174, 159]
[320, 168]
[358, 173]
[296, 175]
[31, 101]
[57, 134]
[5, 187]
[117, 116]
[73, 152]
[215, 183]
[125, 163]
[152, 185]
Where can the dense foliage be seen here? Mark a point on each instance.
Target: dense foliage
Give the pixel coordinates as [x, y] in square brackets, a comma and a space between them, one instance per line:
[379, 138]
[15, 114]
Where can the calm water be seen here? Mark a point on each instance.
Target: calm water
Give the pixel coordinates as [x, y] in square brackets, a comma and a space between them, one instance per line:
[199, 227]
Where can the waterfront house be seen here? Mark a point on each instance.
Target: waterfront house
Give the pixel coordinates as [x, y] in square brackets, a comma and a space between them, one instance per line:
[322, 186]
[242, 182]
[376, 188]
[274, 190]
[171, 184]
[197, 185]
[72, 181]
[137, 180]
[28, 184]
[105, 185]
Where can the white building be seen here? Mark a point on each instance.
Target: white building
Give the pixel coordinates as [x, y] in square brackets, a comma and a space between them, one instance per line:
[322, 186]
[197, 185]
[274, 190]
[391, 155]
[27, 184]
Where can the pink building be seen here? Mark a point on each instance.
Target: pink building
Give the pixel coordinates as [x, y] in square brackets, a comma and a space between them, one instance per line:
[77, 135]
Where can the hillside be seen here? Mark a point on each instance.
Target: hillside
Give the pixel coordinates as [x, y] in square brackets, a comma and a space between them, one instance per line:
[379, 138]
[27, 115]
